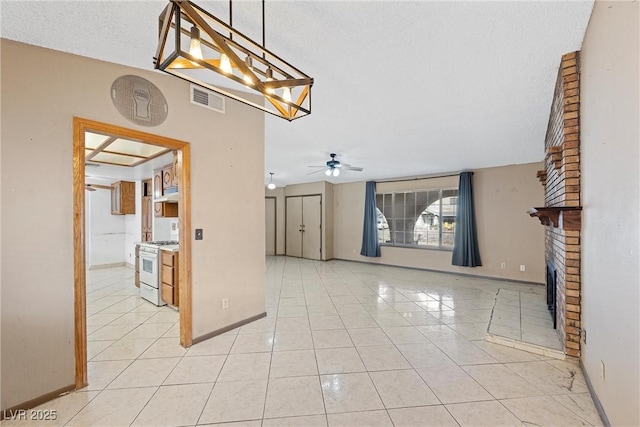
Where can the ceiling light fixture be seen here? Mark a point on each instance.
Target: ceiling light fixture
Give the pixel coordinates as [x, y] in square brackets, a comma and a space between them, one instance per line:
[209, 55]
[271, 185]
[332, 171]
[195, 49]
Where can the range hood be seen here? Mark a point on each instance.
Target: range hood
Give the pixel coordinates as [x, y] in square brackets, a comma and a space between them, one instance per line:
[169, 198]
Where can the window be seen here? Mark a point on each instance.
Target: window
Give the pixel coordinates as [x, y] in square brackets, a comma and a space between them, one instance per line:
[417, 218]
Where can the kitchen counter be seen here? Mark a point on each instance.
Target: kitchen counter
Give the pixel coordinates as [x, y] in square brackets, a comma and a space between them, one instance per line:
[170, 248]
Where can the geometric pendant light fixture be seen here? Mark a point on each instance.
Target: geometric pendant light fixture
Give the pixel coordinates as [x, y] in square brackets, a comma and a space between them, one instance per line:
[198, 47]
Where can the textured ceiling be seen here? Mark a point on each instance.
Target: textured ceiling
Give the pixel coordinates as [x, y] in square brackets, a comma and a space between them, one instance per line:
[401, 88]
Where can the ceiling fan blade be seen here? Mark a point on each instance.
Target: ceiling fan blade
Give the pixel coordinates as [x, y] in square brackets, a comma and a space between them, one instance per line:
[89, 188]
[353, 168]
[323, 166]
[319, 170]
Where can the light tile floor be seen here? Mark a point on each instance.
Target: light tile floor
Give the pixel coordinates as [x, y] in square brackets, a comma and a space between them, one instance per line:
[344, 344]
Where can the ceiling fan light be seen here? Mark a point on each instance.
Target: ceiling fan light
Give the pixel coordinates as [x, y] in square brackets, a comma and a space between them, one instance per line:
[336, 172]
[327, 172]
[225, 64]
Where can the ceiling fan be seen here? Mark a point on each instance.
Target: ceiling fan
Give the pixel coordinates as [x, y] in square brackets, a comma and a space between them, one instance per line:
[94, 187]
[333, 167]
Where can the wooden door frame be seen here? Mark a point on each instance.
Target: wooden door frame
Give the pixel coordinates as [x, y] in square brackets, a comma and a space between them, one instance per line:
[275, 225]
[285, 222]
[80, 126]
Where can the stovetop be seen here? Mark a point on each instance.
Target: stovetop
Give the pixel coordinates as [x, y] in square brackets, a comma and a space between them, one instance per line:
[162, 242]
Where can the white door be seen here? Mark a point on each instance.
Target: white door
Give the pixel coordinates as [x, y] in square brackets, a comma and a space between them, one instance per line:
[304, 226]
[294, 226]
[270, 225]
[312, 230]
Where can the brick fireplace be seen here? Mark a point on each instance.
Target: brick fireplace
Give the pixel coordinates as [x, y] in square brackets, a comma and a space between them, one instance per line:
[562, 212]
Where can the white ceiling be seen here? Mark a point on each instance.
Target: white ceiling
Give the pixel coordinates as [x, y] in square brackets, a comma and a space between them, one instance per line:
[401, 88]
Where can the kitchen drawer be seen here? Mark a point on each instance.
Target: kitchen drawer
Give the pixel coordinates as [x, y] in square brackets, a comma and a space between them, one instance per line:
[167, 258]
[168, 275]
[167, 293]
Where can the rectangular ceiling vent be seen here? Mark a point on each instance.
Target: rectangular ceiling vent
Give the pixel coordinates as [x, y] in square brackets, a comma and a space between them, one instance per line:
[206, 98]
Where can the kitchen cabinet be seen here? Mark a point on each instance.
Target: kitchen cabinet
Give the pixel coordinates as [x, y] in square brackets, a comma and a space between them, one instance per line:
[165, 209]
[169, 275]
[147, 211]
[175, 169]
[157, 184]
[165, 181]
[123, 198]
[137, 279]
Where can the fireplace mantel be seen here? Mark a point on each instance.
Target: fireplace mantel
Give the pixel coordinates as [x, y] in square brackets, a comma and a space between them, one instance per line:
[552, 216]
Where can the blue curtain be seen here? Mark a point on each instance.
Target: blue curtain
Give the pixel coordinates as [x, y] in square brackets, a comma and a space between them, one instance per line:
[370, 244]
[465, 241]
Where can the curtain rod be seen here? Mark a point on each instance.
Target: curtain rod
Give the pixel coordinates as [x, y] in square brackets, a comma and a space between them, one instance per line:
[421, 177]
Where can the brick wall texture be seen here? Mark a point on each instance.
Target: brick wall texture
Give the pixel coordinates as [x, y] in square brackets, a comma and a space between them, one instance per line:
[561, 178]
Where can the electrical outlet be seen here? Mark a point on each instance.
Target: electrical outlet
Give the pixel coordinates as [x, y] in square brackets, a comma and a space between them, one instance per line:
[503, 265]
[584, 336]
[225, 303]
[602, 371]
[522, 267]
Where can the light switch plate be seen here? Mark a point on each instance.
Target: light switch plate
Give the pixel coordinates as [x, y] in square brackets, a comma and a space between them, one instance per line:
[198, 233]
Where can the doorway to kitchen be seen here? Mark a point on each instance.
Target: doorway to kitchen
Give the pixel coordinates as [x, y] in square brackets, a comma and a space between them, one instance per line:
[80, 128]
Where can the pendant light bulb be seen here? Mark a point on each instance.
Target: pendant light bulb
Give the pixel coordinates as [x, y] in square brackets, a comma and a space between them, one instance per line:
[286, 94]
[336, 172]
[195, 48]
[271, 185]
[269, 78]
[327, 172]
[247, 77]
[225, 64]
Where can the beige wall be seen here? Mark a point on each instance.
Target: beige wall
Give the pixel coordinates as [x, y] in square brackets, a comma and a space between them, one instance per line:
[610, 232]
[505, 232]
[42, 90]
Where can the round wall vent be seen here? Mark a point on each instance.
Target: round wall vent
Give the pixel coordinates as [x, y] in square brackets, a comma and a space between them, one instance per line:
[139, 100]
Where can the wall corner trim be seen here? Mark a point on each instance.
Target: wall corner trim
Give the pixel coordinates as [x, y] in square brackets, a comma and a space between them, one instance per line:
[228, 328]
[594, 396]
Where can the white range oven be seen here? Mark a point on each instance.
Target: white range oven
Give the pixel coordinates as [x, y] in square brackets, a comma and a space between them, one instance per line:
[150, 267]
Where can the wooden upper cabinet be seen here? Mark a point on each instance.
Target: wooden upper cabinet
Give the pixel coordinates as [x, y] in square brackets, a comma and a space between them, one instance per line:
[165, 182]
[175, 169]
[165, 210]
[123, 198]
[157, 184]
[167, 178]
[147, 210]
